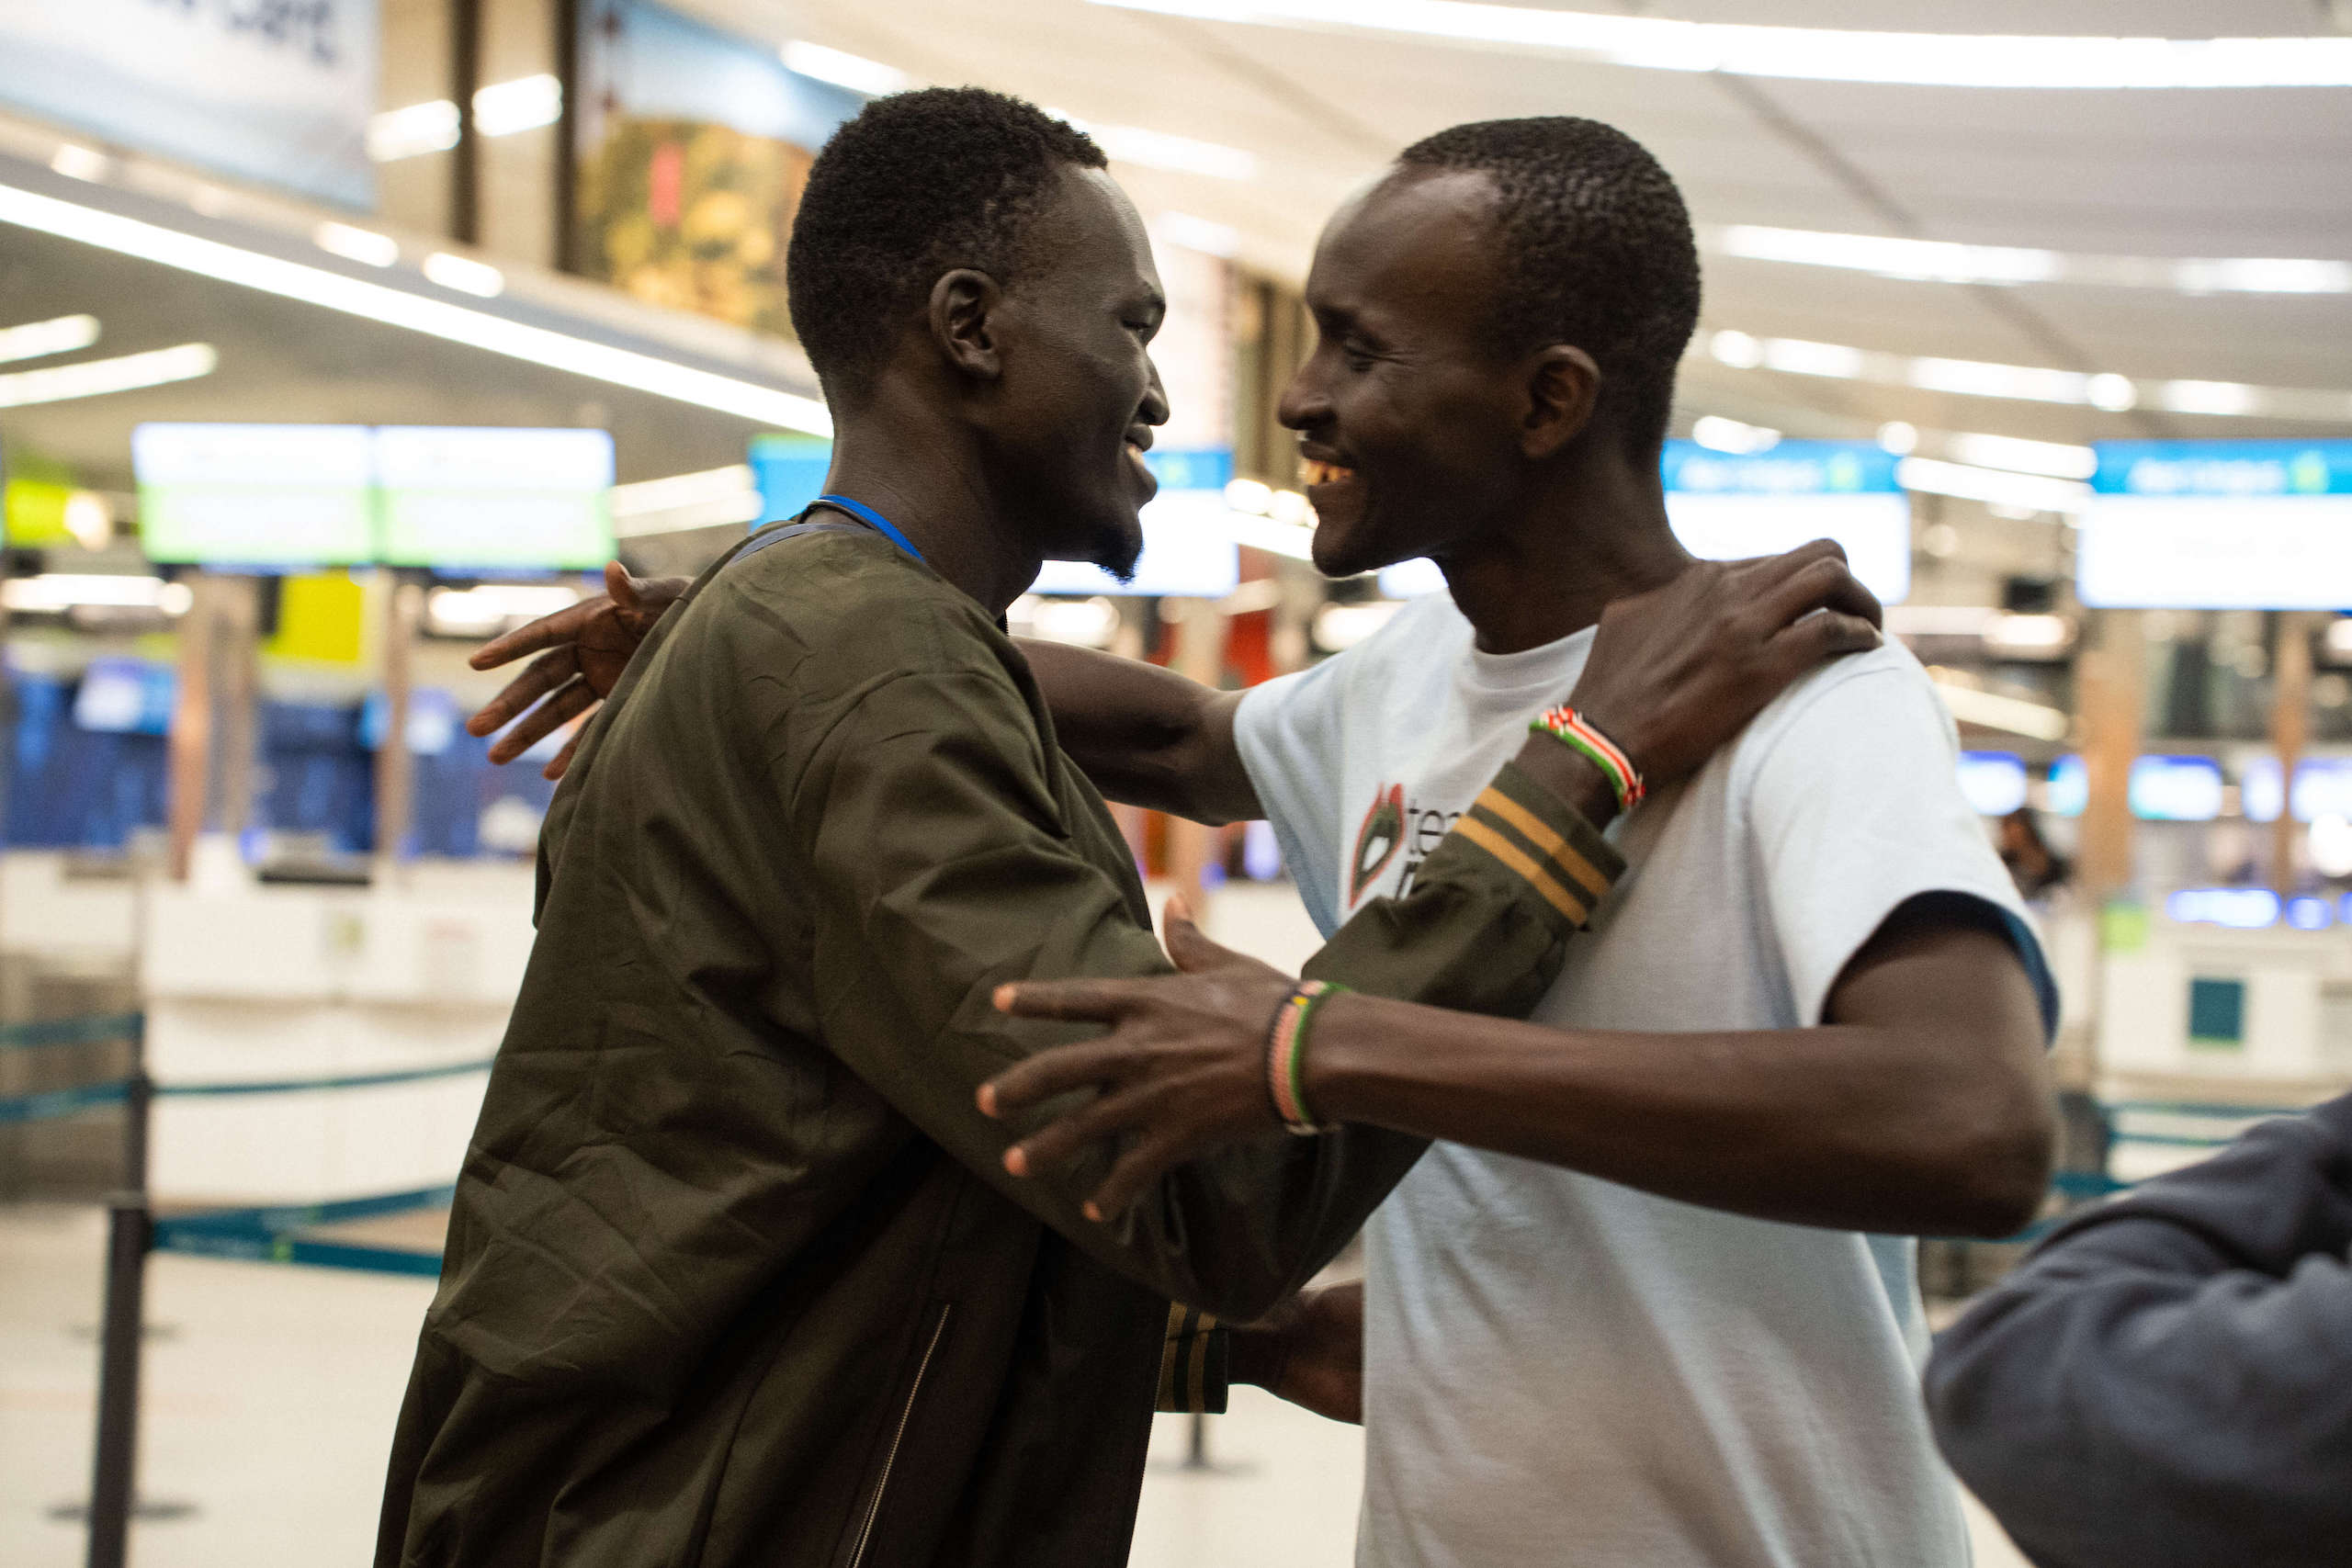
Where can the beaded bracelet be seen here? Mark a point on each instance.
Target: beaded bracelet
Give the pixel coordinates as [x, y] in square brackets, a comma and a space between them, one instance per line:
[1571, 728]
[1286, 1055]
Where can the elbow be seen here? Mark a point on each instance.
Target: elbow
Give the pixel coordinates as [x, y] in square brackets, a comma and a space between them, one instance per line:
[1999, 1167]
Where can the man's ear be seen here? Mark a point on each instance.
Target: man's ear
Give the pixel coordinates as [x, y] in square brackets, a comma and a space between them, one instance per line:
[1563, 388]
[963, 309]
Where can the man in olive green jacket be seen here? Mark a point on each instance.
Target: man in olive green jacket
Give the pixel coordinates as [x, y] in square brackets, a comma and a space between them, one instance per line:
[735, 1272]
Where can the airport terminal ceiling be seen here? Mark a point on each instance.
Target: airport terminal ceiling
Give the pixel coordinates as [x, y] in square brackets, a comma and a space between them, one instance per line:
[2157, 174]
[282, 360]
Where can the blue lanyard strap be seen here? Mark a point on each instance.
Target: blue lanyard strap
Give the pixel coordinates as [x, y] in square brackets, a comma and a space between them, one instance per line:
[871, 519]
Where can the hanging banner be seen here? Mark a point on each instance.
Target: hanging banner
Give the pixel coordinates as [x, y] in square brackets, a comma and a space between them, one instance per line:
[274, 91]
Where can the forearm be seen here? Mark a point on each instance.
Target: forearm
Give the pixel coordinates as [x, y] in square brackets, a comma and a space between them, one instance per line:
[1850, 1126]
[1145, 735]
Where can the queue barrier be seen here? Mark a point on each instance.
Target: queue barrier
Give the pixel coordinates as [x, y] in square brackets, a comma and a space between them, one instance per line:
[270, 1234]
[264, 1234]
[49, 1104]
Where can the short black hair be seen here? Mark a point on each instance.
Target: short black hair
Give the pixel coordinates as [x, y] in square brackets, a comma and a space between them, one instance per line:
[1597, 251]
[915, 185]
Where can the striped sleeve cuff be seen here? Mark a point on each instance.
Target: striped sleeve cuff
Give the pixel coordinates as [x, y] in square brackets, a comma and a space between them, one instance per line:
[1193, 1367]
[1543, 840]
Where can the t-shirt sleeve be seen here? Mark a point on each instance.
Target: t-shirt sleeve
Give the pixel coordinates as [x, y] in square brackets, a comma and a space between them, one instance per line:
[1854, 809]
[1288, 733]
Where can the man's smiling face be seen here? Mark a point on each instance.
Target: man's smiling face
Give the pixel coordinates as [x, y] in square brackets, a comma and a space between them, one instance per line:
[1407, 410]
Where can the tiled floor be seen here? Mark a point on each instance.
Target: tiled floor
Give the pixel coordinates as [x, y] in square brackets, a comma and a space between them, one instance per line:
[270, 1393]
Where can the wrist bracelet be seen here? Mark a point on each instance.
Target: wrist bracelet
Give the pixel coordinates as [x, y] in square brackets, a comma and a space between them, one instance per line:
[1286, 1055]
[1571, 728]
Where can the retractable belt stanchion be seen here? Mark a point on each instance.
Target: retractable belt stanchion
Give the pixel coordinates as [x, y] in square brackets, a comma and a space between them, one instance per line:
[130, 1227]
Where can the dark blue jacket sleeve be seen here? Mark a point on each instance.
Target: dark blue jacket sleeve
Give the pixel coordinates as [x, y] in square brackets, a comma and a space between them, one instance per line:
[2167, 1381]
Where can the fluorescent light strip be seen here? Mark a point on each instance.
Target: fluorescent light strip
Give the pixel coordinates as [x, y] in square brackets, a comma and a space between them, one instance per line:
[673, 491]
[61, 334]
[1822, 54]
[1718, 433]
[94, 378]
[413, 130]
[466, 277]
[1177, 154]
[704, 499]
[2054, 459]
[1994, 711]
[1121, 143]
[394, 307]
[1978, 378]
[842, 68]
[1997, 487]
[504, 108]
[362, 246]
[55, 591]
[1936, 261]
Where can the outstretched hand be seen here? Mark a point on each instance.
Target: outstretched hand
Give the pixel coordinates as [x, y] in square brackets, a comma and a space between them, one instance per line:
[1183, 1066]
[586, 648]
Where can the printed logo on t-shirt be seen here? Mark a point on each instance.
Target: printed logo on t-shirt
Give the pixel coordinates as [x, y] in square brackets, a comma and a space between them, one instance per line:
[1394, 822]
[1376, 840]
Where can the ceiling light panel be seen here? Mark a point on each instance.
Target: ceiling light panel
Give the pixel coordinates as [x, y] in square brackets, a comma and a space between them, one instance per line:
[1936, 261]
[93, 378]
[504, 109]
[842, 68]
[415, 312]
[1822, 54]
[1978, 378]
[61, 334]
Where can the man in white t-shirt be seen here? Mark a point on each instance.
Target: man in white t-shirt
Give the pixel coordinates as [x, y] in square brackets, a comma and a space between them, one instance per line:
[1648, 1300]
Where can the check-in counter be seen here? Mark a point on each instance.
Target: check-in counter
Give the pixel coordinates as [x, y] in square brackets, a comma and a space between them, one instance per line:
[2201, 1021]
[55, 916]
[255, 985]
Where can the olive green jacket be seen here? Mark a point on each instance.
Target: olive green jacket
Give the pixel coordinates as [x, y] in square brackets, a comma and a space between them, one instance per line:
[734, 1274]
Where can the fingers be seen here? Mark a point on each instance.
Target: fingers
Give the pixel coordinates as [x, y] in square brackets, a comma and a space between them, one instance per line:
[547, 631]
[561, 762]
[1062, 1140]
[619, 586]
[571, 700]
[1189, 949]
[1097, 1001]
[1132, 1176]
[542, 675]
[1038, 1078]
[1797, 648]
[1824, 584]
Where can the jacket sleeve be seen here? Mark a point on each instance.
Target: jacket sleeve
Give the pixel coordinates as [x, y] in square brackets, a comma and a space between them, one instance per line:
[940, 869]
[2167, 1381]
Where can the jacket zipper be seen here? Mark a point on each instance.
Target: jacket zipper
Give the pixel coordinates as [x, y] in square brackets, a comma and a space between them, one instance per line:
[906, 1413]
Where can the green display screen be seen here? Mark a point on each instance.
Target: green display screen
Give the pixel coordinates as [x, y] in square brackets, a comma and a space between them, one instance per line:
[452, 498]
[282, 495]
[486, 499]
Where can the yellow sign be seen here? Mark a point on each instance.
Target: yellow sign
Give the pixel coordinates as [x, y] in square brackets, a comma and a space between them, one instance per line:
[36, 513]
[320, 618]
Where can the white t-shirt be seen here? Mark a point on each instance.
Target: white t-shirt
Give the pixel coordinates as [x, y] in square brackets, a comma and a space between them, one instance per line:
[1560, 1369]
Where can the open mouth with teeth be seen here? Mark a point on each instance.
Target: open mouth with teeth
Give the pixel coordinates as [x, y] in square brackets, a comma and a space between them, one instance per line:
[1314, 471]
